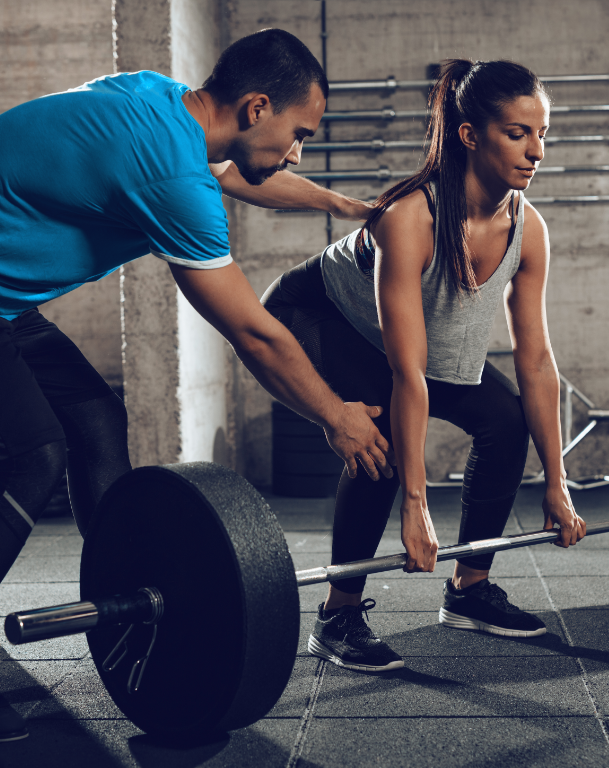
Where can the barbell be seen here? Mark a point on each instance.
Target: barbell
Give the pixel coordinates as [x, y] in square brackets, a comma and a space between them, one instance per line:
[190, 600]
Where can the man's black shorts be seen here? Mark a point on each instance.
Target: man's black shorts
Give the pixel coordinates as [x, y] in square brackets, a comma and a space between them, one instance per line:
[40, 369]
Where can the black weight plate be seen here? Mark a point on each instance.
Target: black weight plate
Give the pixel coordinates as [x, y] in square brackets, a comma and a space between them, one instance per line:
[227, 641]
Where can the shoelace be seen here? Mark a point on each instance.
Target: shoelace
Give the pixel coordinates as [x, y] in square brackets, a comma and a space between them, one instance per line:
[501, 596]
[354, 621]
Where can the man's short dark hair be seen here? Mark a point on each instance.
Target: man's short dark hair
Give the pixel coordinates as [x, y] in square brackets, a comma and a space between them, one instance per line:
[272, 62]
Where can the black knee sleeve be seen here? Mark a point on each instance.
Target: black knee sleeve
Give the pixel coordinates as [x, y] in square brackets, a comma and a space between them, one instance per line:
[96, 432]
[27, 483]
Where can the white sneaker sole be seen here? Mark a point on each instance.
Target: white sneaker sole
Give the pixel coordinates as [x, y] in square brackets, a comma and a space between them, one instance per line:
[462, 622]
[319, 649]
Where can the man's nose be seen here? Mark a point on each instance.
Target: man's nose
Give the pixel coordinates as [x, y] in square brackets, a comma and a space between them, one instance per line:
[294, 155]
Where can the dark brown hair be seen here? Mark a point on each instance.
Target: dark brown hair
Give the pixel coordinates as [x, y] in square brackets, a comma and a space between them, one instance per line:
[465, 92]
[271, 61]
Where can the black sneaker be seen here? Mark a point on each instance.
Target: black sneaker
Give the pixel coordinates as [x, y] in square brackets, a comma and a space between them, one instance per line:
[346, 640]
[12, 725]
[485, 606]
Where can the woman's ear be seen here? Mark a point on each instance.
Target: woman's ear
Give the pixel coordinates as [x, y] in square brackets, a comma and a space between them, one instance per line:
[468, 136]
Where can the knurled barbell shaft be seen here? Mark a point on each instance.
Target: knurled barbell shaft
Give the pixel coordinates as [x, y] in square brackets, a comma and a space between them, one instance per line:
[144, 606]
[395, 562]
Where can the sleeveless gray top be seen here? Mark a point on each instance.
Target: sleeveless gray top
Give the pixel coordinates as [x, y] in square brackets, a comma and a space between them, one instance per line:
[458, 327]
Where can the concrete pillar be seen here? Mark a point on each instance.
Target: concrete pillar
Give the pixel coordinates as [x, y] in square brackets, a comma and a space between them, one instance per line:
[48, 46]
[173, 361]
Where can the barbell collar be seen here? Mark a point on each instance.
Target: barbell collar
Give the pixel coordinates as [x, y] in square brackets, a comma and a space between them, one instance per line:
[396, 562]
[145, 606]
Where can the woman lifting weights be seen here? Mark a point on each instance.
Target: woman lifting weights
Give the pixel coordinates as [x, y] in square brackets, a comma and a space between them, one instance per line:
[400, 313]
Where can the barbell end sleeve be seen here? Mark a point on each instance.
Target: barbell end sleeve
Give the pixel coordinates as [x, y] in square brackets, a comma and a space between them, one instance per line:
[144, 606]
[54, 621]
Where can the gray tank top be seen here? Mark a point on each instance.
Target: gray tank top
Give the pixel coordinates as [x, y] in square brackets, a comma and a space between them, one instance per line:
[458, 327]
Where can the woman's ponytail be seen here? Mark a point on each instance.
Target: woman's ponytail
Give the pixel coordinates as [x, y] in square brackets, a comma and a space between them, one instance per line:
[464, 92]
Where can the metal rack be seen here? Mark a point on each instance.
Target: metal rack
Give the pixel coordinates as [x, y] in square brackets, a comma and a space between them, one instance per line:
[388, 114]
[595, 417]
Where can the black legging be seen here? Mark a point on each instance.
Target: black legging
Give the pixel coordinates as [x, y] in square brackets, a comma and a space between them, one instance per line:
[356, 370]
[55, 411]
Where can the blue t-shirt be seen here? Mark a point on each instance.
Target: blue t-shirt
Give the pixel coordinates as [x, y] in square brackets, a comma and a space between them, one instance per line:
[98, 176]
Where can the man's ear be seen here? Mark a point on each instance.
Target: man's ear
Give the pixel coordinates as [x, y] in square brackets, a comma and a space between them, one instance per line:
[257, 108]
[468, 136]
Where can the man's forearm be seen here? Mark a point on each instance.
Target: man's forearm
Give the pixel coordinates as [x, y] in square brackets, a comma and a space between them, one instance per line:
[289, 191]
[284, 370]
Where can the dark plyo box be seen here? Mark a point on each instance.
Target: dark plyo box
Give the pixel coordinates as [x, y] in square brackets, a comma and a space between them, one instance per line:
[304, 465]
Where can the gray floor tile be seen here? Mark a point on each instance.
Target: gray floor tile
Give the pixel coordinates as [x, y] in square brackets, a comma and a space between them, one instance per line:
[65, 546]
[16, 597]
[580, 560]
[58, 526]
[73, 744]
[47, 568]
[80, 696]
[304, 543]
[425, 594]
[579, 591]
[430, 742]
[25, 684]
[296, 695]
[71, 647]
[38, 544]
[472, 687]
[266, 744]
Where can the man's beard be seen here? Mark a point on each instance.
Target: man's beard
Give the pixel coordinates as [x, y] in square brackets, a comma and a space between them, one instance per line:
[254, 175]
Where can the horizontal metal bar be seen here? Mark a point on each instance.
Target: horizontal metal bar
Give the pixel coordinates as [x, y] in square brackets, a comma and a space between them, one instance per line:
[410, 85]
[379, 145]
[388, 113]
[563, 200]
[569, 199]
[385, 174]
[374, 145]
[395, 562]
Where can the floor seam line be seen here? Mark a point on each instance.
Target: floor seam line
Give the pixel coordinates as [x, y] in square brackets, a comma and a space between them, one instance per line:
[307, 718]
[597, 714]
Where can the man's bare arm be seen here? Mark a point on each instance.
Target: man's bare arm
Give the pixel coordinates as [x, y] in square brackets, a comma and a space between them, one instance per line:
[289, 191]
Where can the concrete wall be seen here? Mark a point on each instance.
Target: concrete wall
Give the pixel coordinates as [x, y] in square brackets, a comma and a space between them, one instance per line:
[373, 40]
[48, 46]
[173, 361]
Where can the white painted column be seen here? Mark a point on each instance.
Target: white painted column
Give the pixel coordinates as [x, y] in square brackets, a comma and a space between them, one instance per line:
[173, 360]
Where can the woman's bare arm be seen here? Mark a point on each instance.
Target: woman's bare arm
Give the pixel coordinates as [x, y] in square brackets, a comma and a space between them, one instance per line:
[537, 373]
[404, 238]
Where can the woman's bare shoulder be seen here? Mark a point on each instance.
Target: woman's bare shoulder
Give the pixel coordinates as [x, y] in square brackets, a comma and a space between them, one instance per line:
[410, 213]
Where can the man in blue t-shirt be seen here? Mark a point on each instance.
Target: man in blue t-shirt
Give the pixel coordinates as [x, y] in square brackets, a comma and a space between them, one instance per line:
[122, 166]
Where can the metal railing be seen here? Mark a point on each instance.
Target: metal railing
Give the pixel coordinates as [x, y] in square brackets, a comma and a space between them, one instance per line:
[387, 114]
[391, 84]
[379, 145]
[386, 174]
